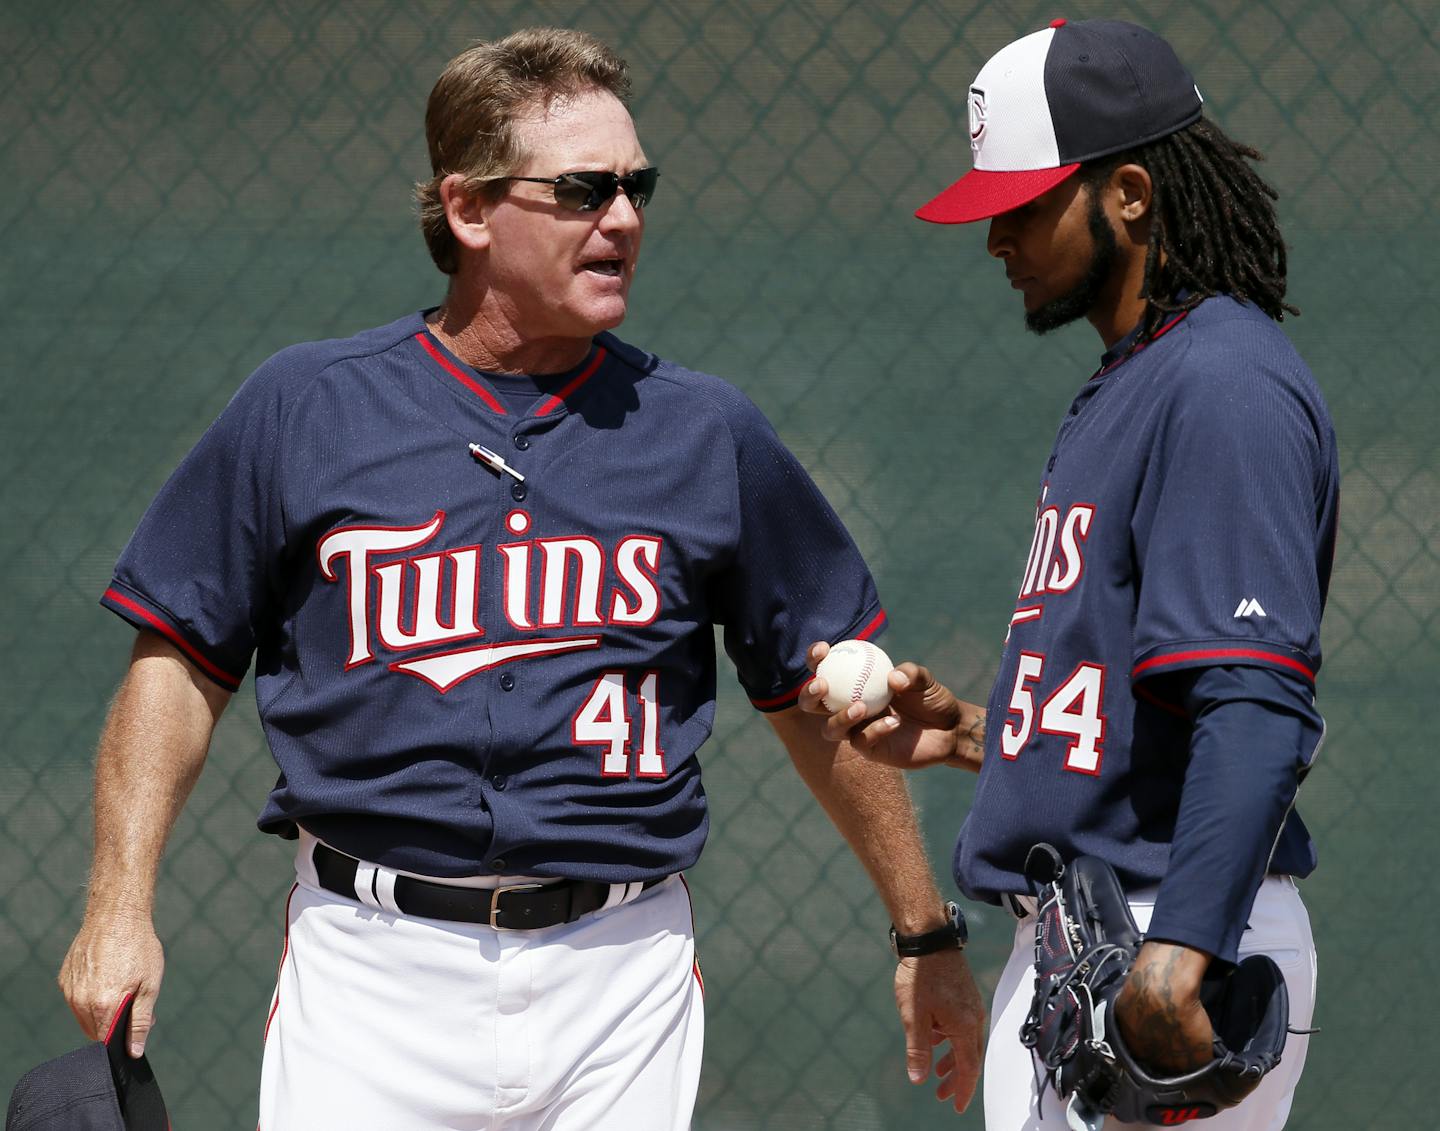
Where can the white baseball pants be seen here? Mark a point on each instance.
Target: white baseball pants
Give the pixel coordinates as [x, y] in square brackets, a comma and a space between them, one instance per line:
[1279, 927]
[393, 1023]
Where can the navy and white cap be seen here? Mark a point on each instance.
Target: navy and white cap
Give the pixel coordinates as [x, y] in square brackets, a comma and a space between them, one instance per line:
[1057, 97]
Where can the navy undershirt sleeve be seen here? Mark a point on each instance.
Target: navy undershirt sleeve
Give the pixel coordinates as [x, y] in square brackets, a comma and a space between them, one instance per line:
[1256, 732]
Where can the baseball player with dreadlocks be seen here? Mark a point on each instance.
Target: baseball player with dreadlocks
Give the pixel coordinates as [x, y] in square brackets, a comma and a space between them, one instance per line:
[477, 556]
[1154, 708]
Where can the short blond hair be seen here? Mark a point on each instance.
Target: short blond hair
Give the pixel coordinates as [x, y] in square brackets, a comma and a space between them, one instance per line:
[471, 115]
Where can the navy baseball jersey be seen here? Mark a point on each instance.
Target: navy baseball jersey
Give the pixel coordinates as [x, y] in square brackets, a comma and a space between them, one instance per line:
[1186, 521]
[481, 609]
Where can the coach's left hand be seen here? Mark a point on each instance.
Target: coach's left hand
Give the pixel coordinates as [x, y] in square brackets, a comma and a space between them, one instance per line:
[938, 1002]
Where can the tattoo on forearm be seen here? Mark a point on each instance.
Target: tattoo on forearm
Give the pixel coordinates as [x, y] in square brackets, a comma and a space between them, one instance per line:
[1163, 1034]
[972, 741]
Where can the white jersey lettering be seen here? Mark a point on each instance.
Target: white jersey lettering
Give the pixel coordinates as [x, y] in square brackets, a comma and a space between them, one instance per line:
[429, 599]
[355, 544]
[428, 627]
[637, 561]
[589, 559]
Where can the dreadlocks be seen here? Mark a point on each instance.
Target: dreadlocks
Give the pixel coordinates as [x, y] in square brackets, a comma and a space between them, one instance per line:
[1214, 230]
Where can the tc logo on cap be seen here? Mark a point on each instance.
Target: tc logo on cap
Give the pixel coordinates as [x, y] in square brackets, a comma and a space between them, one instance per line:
[1053, 99]
[977, 117]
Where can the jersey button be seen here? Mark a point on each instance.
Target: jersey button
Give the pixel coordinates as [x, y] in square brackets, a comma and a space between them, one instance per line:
[522, 442]
[498, 863]
[498, 781]
[507, 682]
[517, 492]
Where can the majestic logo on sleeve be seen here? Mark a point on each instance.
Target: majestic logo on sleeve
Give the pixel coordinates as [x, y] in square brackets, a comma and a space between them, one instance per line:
[405, 602]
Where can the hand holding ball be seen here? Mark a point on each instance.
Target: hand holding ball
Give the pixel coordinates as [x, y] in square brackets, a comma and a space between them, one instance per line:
[855, 671]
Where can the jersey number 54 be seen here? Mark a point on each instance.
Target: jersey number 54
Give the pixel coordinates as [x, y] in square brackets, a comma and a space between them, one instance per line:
[1072, 710]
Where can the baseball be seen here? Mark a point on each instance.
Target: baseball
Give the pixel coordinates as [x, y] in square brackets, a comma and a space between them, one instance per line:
[855, 671]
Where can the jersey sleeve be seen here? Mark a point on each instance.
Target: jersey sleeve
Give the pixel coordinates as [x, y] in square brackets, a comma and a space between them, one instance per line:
[1234, 524]
[796, 575]
[198, 570]
[1256, 735]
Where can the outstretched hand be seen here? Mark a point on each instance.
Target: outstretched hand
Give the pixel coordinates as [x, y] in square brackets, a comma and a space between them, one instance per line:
[925, 724]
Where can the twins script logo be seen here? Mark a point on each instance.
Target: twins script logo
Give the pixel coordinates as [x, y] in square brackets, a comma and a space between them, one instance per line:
[1074, 709]
[404, 602]
[1057, 555]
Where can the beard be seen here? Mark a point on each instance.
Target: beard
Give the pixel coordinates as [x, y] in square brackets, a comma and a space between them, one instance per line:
[1079, 301]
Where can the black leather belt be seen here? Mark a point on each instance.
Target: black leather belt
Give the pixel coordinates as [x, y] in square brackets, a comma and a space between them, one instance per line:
[519, 907]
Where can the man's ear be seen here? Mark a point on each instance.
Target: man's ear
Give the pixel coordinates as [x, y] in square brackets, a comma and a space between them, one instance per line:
[465, 210]
[1135, 192]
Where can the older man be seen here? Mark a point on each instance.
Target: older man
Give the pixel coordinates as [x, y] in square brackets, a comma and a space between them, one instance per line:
[476, 556]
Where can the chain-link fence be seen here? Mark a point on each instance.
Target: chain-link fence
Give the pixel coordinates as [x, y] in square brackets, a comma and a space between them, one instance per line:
[191, 186]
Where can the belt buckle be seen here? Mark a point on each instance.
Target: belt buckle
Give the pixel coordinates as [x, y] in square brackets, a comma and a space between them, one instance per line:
[495, 904]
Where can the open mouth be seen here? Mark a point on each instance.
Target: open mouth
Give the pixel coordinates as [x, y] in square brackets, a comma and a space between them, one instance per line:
[605, 266]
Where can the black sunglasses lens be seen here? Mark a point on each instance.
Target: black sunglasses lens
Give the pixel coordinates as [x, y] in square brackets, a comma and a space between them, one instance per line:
[587, 191]
[640, 186]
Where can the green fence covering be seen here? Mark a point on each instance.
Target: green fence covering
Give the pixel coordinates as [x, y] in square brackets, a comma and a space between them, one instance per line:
[190, 186]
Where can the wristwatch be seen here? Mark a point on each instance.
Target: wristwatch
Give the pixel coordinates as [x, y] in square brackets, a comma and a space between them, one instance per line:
[953, 933]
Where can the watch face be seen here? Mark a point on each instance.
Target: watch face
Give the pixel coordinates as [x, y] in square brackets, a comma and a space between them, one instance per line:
[957, 919]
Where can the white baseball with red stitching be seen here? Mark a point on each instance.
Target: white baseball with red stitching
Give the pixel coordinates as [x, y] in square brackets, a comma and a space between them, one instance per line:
[855, 671]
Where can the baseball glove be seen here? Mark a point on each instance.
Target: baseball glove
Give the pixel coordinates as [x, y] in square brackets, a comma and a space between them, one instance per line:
[1085, 943]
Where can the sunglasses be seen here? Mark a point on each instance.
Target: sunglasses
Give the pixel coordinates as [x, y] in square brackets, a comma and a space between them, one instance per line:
[587, 191]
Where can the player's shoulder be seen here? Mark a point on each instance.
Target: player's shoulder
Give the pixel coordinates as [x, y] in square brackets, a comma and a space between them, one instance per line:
[1237, 372]
[296, 365]
[306, 378]
[1225, 345]
[701, 394]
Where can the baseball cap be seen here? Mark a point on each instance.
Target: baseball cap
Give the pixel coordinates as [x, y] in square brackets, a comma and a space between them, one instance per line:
[95, 1088]
[1067, 94]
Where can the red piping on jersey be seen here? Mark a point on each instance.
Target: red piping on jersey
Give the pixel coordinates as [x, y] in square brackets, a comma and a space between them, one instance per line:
[460, 375]
[1160, 333]
[552, 403]
[224, 678]
[873, 627]
[791, 696]
[1222, 654]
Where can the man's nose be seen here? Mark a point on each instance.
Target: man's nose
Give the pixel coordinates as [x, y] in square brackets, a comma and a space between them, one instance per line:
[1000, 242]
[619, 212]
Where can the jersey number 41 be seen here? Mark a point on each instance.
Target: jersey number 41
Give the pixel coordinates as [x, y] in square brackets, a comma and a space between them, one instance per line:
[604, 720]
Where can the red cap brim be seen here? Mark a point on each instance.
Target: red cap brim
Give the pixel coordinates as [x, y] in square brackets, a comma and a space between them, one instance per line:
[981, 194]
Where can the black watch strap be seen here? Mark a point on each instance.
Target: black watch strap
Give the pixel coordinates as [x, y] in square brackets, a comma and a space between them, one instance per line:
[952, 934]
